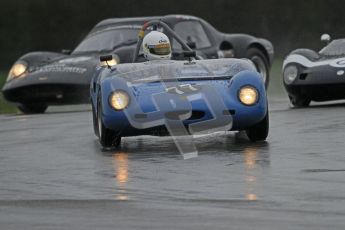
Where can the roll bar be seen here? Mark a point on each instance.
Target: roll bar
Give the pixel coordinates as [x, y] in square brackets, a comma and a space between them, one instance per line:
[167, 29]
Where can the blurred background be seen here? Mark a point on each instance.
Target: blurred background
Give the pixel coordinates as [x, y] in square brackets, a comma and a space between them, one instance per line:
[46, 25]
[29, 25]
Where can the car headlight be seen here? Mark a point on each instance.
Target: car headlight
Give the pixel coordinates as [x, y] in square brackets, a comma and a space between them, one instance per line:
[290, 74]
[248, 95]
[18, 70]
[119, 100]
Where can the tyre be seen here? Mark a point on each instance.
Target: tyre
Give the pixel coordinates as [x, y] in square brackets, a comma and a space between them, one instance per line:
[259, 132]
[32, 108]
[107, 137]
[299, 101]
[261, 63]
[94, 121]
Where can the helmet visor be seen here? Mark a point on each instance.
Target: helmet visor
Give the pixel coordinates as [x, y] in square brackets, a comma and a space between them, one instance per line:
[160, 49]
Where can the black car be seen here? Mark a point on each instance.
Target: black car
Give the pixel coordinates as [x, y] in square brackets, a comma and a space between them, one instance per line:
[40, 79]
[315, 76]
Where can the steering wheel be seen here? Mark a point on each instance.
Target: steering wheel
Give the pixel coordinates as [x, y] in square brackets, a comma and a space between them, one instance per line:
[168, 31]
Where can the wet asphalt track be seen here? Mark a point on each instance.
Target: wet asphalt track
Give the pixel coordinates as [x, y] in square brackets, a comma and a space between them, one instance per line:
[53, 175]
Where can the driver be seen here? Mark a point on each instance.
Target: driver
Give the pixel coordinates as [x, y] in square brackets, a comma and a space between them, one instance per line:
[156, 46]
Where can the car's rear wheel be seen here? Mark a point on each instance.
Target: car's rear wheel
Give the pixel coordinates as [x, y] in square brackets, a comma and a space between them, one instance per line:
[32, 108]
[299, 101]
[261, 63]
[107, 137]
[259, 132]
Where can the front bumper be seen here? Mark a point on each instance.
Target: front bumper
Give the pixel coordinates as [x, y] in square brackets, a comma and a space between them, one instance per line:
[48, 88]
[241, 120]
[50, 94]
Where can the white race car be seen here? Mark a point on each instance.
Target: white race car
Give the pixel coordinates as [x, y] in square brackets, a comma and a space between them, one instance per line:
[315, 76]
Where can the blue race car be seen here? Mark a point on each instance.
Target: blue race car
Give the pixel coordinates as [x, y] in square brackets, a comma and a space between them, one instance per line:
[166, 97]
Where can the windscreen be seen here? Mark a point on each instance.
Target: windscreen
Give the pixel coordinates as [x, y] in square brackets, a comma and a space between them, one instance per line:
[168, 70]
[335, 48]
[108, 40]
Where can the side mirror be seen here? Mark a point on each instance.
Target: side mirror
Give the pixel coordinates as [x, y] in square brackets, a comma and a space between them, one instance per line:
[189, 54]
[108, 60]
[326, 38]
[66, 51]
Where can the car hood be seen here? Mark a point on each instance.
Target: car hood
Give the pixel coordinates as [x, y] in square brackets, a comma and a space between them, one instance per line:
[66, 64]
[72, 70]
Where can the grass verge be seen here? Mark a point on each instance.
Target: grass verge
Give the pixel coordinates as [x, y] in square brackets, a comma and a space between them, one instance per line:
[5, 107]
[276, 87]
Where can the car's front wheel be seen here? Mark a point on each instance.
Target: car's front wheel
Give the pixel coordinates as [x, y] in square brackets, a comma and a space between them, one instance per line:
[261, 63]
[107, 137]
[299, 101]
[94, 120]
[32, 108]
[259, 132]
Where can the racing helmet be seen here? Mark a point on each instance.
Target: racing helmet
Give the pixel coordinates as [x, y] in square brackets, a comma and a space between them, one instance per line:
[156, 46]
